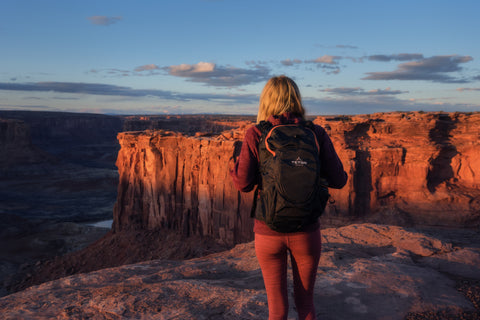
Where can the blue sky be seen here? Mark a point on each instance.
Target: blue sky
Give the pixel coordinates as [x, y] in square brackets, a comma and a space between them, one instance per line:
[215, 56]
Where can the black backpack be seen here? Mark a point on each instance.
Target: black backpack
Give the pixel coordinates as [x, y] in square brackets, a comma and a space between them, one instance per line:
[292, 195]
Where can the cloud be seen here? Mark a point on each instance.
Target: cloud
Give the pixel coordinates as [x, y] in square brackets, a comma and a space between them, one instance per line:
[190, 70]
[368, 105]
[147, 67]
[328, 63]
[289, 62]
[212, 75]
[113, 90]
[468, 89]
[386, 91]
[104, 20]
[115, 72]
[28, 107]
[338, 46]
[325, 59]
[342, 91]
[365, 102]
[346, 101]
[430, 69]
[396, 57]
[345, 46]
[256, 63]
[82, 88]
[207, 73]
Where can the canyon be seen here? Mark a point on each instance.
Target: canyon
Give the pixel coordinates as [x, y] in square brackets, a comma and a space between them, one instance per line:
[57, 173]
[413, 179]
[405, 169]
[57, 177]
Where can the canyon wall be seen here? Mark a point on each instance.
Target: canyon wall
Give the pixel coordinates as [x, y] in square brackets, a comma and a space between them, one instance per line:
[409, 168]
[182, 183]
[404, 168]
[67, 127]
[16, 146]
[71, 137]
[58, 165]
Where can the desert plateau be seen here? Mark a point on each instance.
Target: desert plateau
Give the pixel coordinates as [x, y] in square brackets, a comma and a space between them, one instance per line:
[400, 241]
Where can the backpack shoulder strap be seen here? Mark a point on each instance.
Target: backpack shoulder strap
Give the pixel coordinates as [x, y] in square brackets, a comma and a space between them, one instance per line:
[264, 126]
[311, 126]
[308, 124]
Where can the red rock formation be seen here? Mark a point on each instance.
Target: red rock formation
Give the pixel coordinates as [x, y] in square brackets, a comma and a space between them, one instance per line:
[404, 168]
[409, 167]
[181, 183]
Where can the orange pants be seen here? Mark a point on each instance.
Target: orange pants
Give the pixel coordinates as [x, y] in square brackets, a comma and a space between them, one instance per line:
[272, 254]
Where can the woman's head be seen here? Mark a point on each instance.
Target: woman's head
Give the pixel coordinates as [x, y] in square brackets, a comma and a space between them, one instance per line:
[280, 95]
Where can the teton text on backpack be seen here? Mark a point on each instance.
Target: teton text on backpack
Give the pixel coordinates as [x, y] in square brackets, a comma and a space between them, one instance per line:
[292, 195]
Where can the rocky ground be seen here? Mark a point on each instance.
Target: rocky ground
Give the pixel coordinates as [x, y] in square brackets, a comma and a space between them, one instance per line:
[113, 250]
[367, 271]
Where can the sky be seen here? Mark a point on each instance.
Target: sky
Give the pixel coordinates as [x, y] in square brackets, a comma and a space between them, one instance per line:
[215, 56]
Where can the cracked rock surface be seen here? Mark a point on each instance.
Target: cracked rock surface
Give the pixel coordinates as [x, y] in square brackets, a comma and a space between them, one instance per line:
[367, 271]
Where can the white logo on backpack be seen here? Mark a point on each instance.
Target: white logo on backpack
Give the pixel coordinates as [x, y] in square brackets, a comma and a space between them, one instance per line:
[299, 162]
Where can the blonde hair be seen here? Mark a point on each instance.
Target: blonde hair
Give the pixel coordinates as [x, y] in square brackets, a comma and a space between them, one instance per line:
[280, 95]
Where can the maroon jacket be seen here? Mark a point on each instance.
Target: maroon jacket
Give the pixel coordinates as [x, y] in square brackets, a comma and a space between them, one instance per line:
[245, 173]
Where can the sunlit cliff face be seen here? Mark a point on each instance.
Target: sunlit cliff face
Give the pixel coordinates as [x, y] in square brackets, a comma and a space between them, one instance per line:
[181, 183]
[404, 168]
[421, 165]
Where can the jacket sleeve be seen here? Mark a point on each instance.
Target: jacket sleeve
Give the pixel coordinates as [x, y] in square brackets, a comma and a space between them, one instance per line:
[245, 170]
[332, 167]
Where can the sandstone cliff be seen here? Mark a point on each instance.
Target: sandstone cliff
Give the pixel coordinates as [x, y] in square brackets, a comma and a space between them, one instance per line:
[404, 168]
[420, 168]
[182, 183]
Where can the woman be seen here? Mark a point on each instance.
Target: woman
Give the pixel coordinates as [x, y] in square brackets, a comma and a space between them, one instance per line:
[280, 103]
